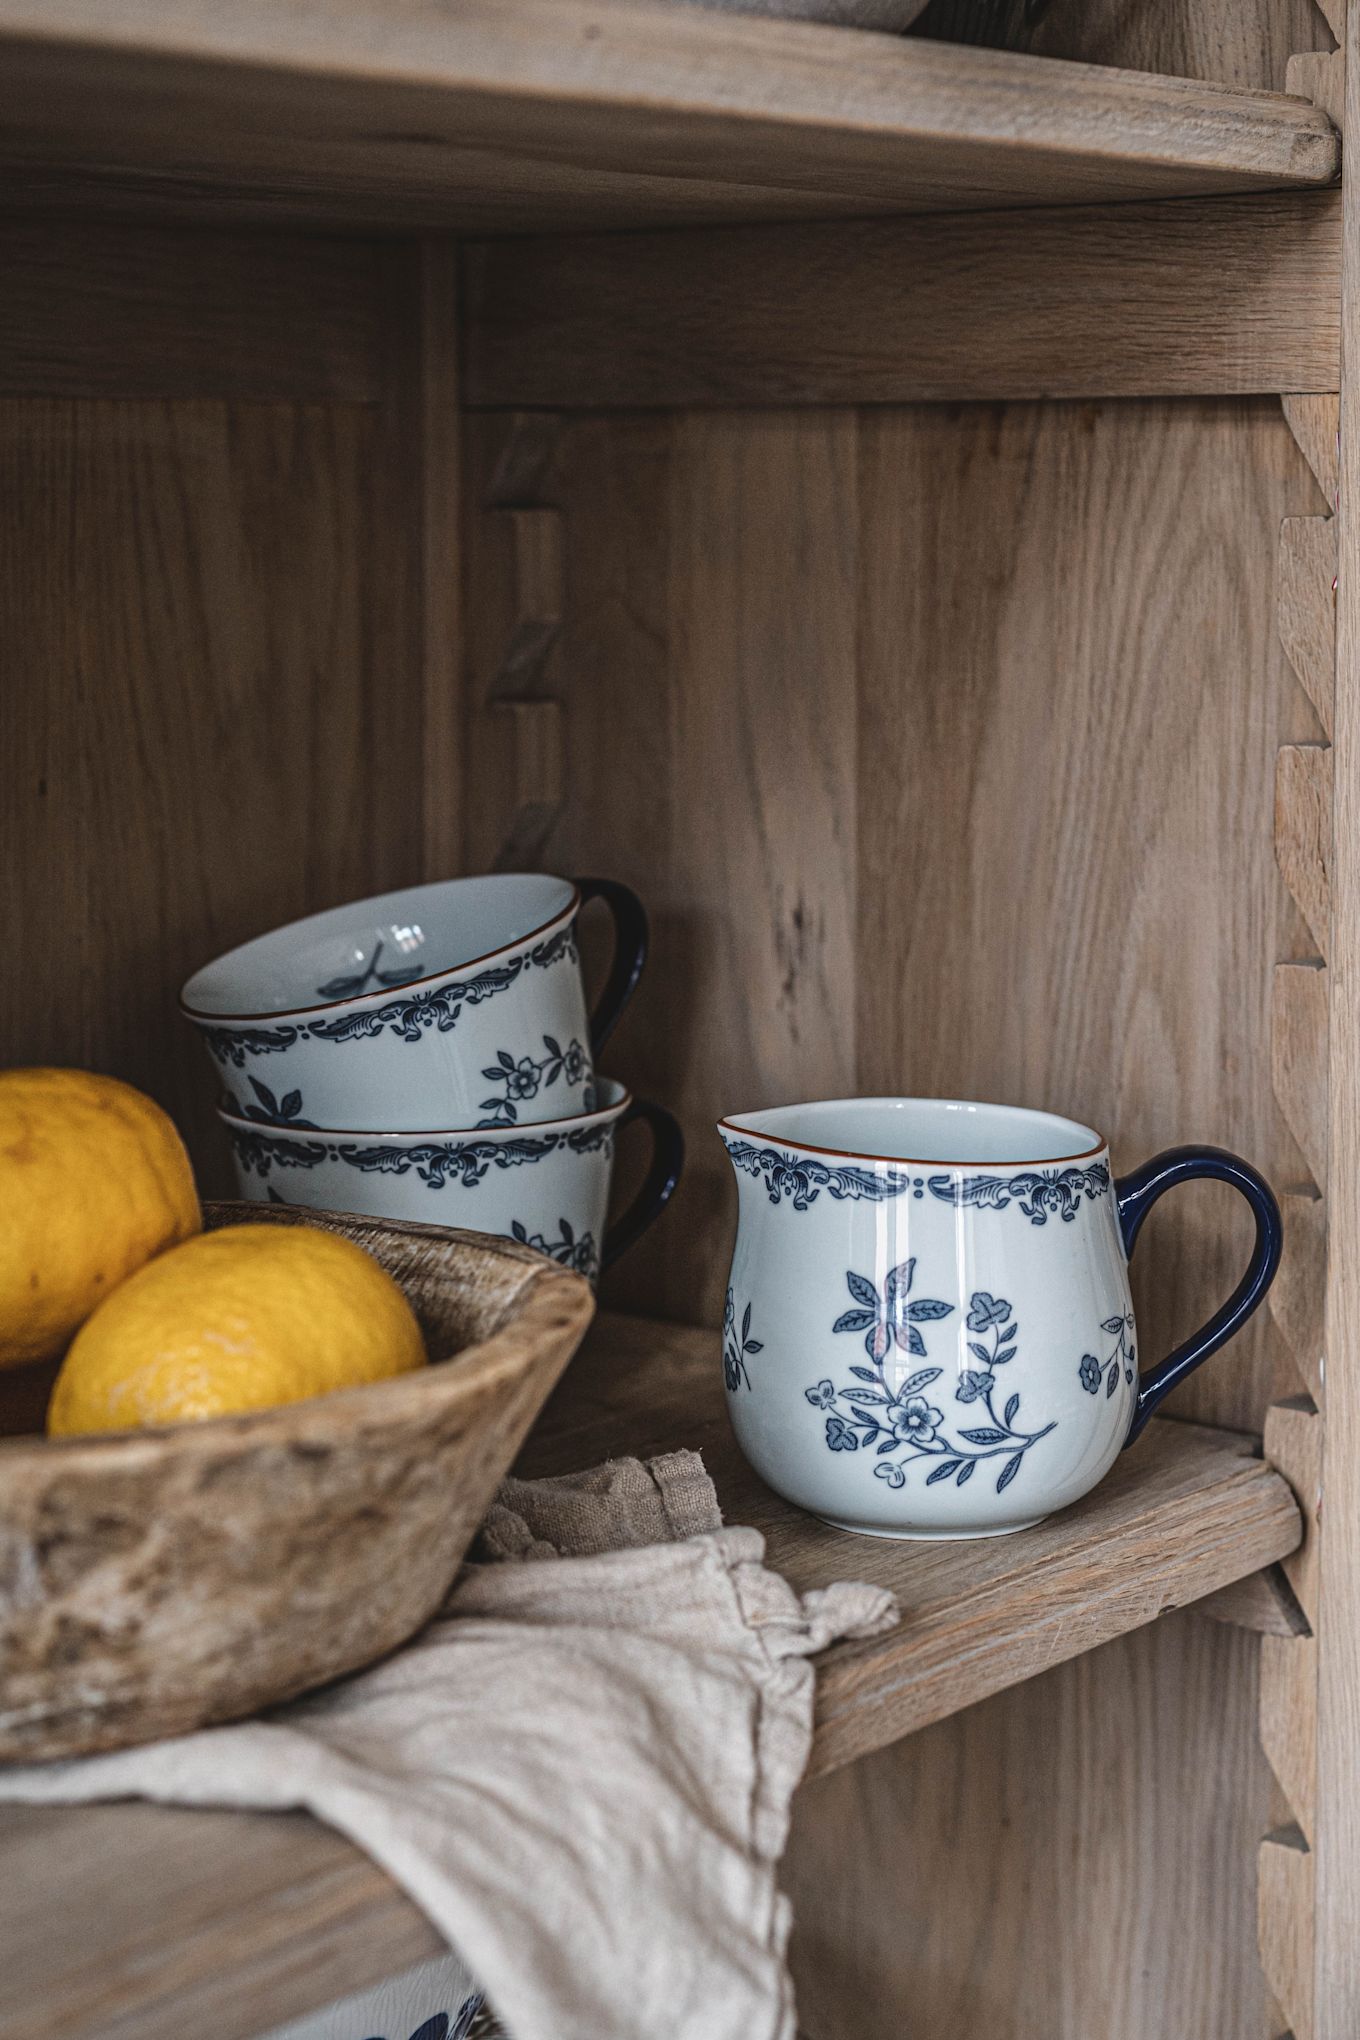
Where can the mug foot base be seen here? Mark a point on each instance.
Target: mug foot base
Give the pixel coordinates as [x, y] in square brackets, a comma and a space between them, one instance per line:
[931, 1536]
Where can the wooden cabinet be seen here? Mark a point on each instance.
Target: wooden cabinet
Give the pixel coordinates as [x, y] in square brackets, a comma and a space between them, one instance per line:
[887, 501]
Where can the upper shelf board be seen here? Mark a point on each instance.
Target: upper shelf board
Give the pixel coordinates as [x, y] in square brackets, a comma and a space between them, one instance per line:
[510, 115]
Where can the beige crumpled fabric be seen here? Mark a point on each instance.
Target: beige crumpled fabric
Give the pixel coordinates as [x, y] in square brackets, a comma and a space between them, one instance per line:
[581, 1770]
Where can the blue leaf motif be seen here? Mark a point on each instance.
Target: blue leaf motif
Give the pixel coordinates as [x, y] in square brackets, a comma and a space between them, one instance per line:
[912, 1340]
[898, 1282]
[985, 1436]
[914, 1383]
[894, 1475]
[928, 1307]
[863, 1291]
[943, 1471]
[855, 1320]
[839, 1436]
[1011, 1407]
[1009, 1471]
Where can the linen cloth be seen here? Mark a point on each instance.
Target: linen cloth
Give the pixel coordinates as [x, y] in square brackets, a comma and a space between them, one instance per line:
[581, 1770]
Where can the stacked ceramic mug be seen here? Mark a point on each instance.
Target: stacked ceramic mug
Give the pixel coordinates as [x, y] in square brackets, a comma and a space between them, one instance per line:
[427, 1055]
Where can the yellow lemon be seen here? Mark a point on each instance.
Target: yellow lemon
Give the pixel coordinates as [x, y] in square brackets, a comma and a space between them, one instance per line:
[241, 1319]
[94, 1180]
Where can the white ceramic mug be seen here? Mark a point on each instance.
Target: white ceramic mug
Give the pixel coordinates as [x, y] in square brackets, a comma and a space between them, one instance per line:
[546, 1185]
[929, 1331]
[454, 1004]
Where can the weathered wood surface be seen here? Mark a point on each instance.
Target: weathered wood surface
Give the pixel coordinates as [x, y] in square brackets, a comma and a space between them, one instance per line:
[564, 113]
[1299, 1058]
[156, 1581]
[1191, 1509]
[1303, 833]
[1208, 297]
[1307, 606]
[1286, 1886]
[1337, 1857]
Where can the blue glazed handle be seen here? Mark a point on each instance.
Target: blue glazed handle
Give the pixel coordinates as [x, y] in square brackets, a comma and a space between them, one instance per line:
[630, 952]
[1135, 1196]
[668, 1159]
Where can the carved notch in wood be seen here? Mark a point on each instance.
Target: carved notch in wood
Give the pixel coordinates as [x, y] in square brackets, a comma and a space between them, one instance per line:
[521, 699]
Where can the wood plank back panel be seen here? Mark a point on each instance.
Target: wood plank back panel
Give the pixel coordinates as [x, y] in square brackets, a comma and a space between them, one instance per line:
[1200, 297]
[118, 311]
[209, 604]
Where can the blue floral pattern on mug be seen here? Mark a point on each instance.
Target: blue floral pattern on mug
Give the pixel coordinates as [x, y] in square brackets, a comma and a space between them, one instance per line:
[1039, 1194]
[1123, 1359]
[435, 1162]
[442, 1005]
[271, 1111]
[803, 1181]
[737, 1351]
[901, 1424]
[576, 1251]
[525, 1078]
[464, 2024]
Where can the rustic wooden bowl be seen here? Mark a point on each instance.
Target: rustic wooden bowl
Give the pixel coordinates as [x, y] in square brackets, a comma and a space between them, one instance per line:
[154, 1581]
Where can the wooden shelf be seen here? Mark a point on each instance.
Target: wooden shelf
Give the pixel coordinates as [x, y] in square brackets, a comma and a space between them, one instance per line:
[1191, 1510]
[172, 1919]
[502, 115]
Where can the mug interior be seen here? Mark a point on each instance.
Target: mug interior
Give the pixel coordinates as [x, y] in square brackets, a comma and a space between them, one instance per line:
[372, 947]
[932, 1131]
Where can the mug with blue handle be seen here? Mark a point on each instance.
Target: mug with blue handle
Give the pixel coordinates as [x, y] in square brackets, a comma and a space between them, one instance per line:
[545, 1185]
[928, 1330]
[454, 1004]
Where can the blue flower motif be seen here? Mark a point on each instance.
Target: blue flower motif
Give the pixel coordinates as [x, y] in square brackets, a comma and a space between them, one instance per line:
[973, 1382]
[822, 1396]
[1090, 1372]
[987, 1311]
[522, 1080]
[894, 1475]
[574, 1063]
[839, 1436]
[914, 1421]
[729, 1312]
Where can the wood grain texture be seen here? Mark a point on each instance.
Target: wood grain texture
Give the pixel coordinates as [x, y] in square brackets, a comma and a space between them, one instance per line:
[1338, 1820]
[1264, 1602]
[156, 1582]
[1303, 833]
[1321, 77]
[1316, 424]
[230, 1923]
[1299, 1058]
[567, 113]
[118, 311]
[1293, 1445]
[1243, 42]
[1286, 1872]
[1130, 987]
[1013, 1870]
[428, 421]
[1307, 606]
[1219, 296]
[262, 560]
[1289, 1720]
[1298, 1297]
